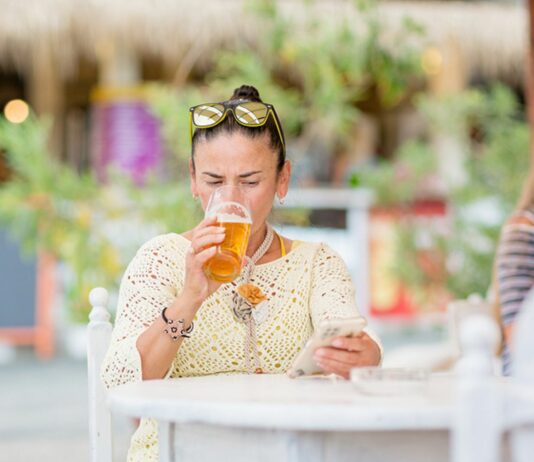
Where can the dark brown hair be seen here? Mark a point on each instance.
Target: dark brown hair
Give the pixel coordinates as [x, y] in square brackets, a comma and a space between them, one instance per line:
[229, 125]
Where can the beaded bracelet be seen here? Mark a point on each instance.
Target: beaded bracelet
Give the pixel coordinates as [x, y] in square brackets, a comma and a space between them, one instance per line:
[176, 332]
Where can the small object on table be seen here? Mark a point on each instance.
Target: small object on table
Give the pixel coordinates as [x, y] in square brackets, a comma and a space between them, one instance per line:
[389, 381]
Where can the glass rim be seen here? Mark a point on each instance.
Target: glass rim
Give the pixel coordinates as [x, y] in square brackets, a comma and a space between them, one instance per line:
[242, 201]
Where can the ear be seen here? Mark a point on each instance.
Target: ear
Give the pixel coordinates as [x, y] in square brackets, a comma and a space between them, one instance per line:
[283, 180]
[192, 178]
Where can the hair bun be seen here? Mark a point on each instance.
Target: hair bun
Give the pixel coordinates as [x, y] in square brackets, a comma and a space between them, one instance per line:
[247, 92]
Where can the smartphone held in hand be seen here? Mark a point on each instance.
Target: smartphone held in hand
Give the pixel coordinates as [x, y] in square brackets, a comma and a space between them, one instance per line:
[323, 336]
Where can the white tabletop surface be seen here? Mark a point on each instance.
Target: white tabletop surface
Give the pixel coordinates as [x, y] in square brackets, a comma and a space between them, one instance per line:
[275, 401]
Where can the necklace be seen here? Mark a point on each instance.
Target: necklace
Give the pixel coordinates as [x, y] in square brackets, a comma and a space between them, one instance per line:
[249, 303]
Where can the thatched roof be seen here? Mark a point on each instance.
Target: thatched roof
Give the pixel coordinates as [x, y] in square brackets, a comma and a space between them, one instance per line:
[493, 36]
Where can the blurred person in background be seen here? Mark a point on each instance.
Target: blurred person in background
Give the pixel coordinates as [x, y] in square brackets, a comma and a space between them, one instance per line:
[514, 267]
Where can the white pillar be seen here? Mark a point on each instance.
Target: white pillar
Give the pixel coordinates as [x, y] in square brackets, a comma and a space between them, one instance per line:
[118, 65]
[45, 92]
[449, 77]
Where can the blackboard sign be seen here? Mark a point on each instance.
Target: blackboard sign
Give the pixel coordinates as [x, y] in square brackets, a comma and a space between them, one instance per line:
[26, 292]
[18, 285]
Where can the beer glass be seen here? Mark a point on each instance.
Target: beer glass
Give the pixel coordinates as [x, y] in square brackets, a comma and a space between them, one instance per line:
[230, 205]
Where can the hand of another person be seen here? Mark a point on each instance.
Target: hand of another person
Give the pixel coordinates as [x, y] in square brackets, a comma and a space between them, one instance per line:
[346, 353]
[204, 240]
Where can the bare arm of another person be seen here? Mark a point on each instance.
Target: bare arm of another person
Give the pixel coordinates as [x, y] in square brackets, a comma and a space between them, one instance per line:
[515, 270]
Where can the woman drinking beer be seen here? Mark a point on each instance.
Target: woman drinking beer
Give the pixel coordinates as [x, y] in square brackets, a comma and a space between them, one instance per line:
[175, 318]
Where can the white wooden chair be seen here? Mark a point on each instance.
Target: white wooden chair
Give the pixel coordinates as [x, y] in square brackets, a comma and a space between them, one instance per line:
[98, 338]
[488, 407]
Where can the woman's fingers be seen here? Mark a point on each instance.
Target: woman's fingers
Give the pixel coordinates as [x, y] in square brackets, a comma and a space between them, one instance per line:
[206, 231]
[335, 367]
[349, 357]
[207, 222]
[351, 343]
[208, 240]
[195, 259]
[206, 234]
[203, 256]
[204, 242]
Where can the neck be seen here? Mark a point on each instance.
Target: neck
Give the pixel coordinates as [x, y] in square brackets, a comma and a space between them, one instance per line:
[256, 239]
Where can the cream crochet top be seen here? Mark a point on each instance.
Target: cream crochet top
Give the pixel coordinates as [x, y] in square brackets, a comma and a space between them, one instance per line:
[309, 284]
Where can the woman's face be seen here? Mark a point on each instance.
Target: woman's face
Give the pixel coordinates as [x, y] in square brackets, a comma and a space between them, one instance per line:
[236, 159]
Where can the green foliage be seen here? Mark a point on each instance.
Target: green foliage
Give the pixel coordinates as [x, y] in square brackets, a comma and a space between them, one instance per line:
[171, 107]
[496, 140]
[471, 251]
[235, 68]
[498, 155]
[93, 229]
[317, 72]
[402, 181]
[41, 189]
[497, 164]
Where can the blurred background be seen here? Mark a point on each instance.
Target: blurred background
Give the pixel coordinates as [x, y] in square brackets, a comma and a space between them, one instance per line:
[406, 125]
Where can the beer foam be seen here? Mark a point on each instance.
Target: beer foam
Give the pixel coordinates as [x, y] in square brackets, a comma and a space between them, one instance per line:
[223, 212]
[232, 218]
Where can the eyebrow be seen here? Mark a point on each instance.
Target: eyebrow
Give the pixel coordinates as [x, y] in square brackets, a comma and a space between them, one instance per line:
[243, 175]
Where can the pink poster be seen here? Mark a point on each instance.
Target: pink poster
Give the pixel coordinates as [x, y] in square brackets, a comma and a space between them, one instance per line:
[125, 136]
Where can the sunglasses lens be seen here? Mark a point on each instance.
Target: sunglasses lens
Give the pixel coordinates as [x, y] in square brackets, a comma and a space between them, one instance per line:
[251, 113]
[207, 115]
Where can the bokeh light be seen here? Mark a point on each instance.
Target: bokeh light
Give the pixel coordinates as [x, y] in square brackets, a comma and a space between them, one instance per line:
[432, 61]
[16, 111]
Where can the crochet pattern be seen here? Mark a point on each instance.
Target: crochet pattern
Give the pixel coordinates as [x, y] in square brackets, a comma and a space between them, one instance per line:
[311, 283]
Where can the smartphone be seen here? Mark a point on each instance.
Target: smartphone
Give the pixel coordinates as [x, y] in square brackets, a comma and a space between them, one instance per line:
[326, 332]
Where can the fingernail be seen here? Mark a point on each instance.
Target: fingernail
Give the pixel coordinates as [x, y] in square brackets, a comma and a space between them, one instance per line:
[338, 343]
[319, 354]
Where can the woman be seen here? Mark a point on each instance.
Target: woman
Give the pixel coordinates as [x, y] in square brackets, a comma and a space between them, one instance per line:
[515, 267]
[165, 284]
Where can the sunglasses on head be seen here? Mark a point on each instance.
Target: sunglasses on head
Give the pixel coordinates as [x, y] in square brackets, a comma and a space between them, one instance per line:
[247, 114]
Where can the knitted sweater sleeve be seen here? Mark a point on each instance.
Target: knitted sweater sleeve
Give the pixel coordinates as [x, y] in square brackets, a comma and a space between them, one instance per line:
[149, 284]
[332, 290]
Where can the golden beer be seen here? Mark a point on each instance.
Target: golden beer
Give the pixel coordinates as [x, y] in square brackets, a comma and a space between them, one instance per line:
[226, 264]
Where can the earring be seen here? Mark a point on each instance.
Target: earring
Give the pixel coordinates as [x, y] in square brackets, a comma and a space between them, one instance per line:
[195, 196]
[281, 200]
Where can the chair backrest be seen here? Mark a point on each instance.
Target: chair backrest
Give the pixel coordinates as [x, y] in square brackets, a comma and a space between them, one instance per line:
[485, 406]
[98, 338]
[458, 310]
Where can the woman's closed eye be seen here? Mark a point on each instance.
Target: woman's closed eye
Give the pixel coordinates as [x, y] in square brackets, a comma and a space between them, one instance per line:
[243, 183]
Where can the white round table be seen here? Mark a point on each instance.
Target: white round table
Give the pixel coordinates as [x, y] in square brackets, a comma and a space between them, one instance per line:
[273, 418]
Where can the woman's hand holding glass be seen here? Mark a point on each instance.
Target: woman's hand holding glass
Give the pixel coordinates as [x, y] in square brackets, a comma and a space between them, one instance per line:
[230, 205]
[204, 240]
